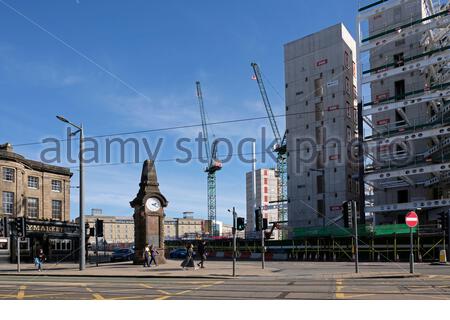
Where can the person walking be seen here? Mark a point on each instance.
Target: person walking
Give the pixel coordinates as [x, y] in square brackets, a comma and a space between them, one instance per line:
[201, 250]
[146, 256]
[188, 262]
[39, 260]
[153, 253]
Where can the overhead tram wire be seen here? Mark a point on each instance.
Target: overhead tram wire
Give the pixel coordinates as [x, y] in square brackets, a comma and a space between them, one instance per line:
[229, 155]
[187, 126]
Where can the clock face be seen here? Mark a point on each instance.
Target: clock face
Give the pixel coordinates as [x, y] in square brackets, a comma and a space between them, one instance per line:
[153, 204]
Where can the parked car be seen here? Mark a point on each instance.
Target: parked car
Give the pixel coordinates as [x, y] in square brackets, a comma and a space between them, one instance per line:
[179, 253]
[122, 255]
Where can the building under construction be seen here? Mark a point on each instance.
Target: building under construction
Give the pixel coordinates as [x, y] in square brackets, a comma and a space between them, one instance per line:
[403, 51]
[321, 122]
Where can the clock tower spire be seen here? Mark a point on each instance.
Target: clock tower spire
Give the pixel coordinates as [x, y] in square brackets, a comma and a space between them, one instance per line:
[148, 206]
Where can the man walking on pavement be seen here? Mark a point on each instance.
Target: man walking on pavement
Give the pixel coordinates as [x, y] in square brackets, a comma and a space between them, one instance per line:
[146, 256]
[202, 252]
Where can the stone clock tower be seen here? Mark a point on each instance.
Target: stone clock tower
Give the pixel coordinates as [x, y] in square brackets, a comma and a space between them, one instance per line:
[149, 214]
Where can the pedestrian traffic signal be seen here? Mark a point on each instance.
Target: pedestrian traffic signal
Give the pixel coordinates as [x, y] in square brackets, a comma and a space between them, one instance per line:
[258, 219]
[240, 223]
[99, 228]
[21, 227]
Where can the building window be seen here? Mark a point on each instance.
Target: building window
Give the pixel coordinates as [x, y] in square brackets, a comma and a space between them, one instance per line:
[33, 207]
[399, 60]
[33, 182]
[57, 209]
[56, 185]
[8, 202]
[8, 174]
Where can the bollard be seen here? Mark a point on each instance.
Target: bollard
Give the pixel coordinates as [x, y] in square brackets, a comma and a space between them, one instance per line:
[442, 256]
[379, 258]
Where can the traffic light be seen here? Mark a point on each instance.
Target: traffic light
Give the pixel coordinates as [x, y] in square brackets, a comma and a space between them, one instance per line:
[99, 228]
[240, 223]
[265, 224]
[443, 221]
[258, 219]
[3, 227]
[87, 231]
[347, 214]
[21, 227]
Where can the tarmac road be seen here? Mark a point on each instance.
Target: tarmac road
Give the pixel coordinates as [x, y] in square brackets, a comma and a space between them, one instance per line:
[126, 288]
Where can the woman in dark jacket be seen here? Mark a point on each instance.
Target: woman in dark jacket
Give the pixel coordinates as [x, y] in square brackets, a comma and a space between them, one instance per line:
[188, 262]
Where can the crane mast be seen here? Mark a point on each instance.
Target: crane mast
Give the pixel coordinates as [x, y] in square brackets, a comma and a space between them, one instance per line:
[213, 165]
[280, 149]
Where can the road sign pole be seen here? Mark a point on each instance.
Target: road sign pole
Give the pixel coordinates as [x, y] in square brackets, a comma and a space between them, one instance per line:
[18, 253]
[355, 223]
[234, 242]
[411, 251]
[263, 250]
[96, 243]
[411, 220]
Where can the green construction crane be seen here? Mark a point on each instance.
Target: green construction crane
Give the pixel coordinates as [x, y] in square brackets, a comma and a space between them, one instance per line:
[213, 166]
[279, 148]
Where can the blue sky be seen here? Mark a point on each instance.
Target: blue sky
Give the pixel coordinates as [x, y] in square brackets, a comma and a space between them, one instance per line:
[121, 66]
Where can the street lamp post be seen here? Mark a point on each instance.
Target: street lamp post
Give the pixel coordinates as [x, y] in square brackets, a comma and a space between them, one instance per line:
[81, 189]
[234, 239]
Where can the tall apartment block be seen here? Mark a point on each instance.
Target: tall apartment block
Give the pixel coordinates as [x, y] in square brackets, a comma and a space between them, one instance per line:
[403, 48]
[266, 194]
[321, 121]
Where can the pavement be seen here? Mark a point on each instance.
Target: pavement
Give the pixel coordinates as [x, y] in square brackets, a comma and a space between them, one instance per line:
[279, 280]
[171, 269]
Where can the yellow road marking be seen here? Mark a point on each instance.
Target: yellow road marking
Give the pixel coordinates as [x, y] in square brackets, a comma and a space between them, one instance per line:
[146, 286]
[358, 295]
[97, 296]
[8, 295]
[127, 297]
[163, 298]
[339, 294]
[183, 292]
[89, 290]
[49, 294]
[164, 292]
[21, 293]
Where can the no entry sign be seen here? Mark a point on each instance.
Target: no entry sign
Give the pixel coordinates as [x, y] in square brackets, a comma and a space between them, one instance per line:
[411, 219]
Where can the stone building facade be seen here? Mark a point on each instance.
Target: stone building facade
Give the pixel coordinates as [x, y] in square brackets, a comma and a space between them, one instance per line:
[33, 189]
[116, 229]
